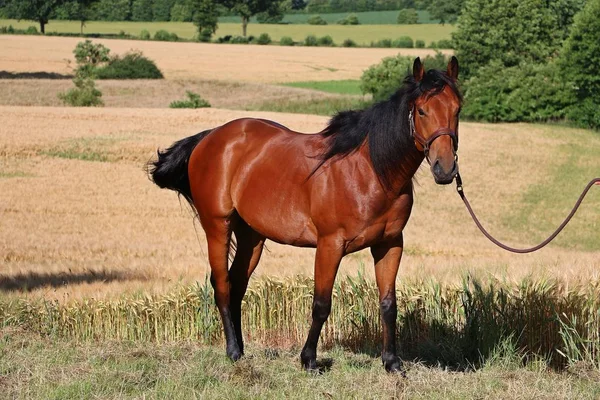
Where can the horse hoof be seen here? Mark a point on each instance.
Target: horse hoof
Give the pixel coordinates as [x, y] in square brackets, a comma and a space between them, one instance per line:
[234, 355]
[394, 366]
[309, 363]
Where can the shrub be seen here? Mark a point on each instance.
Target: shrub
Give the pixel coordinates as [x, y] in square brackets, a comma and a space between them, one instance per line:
[224, 39]
[527, 92]
[444, 44]
[193, 101]
[383, 79]
[580, 65]
[420, 44]
[205, 35]
[239, 40]
[349, 43]
[325, 41]
[382, 43]
[165, 36]
[405, 42]
[132, 65]
[316, 20]
[351, 19]
[145, 35]
[84, 94]
[439, 61]
[311, 40]
[263, 39]
[91, 54]
[433, 45]
[32, 30]
[408, 16]
[286, 41]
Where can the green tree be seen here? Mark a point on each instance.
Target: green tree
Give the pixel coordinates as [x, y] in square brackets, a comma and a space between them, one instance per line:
[161, 9]
[510, 31]
[246, 9]
[447, 11]
[181, 11]
[113, 10]
[205, 16]
[34, 10]
[580, 64]
[141, 10]
[408, 16]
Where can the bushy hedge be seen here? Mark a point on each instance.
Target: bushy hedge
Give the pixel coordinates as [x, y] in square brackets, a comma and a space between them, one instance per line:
[349, 43]
[165, 36]
[326, 41]
[419, 44]
[405, 42]
[286, 41]
[351, 19]
[408, 16]
[316, 20]
[132, 65]
[263, 39]
[527, 92]
[145, 35]
[193, 101]
[383, 79]
[311, 40]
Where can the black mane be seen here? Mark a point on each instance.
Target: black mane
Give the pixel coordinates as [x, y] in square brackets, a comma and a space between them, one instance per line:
[385, 124]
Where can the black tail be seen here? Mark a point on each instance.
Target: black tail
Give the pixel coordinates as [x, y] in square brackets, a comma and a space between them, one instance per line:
[170, 170]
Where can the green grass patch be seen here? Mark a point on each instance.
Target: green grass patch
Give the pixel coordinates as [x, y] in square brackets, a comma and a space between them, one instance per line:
[388, 17]
[556, 194]
[361, 34]
[85, 149]
[14, 174]
[326, 106]
[349, 86]
[33, 367]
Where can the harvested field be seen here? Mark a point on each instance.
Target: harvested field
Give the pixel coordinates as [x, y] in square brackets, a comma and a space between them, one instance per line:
[79, 217]
[237, 63]
[156, 93]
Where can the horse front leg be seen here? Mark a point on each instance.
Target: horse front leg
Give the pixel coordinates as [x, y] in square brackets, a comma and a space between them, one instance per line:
[387, 261]
[327, 261]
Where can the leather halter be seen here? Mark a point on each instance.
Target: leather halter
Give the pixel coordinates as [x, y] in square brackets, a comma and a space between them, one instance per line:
[426, 143]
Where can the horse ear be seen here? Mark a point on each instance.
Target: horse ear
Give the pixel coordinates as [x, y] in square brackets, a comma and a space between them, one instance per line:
[418, 70]
[452, 70]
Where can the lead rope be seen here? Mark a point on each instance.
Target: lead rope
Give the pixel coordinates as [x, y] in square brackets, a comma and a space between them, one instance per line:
[461, 193]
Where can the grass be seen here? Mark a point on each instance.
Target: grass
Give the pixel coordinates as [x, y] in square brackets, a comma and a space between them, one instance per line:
[34, 367]
[388, 17]
[361, 34]
[455, 326]
[557, 194]
[348, 86]
[325, 106]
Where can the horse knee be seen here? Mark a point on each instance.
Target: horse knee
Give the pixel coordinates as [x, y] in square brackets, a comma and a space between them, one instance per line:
[321, 309]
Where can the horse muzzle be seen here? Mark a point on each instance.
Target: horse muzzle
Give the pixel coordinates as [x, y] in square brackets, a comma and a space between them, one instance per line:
[442, 176]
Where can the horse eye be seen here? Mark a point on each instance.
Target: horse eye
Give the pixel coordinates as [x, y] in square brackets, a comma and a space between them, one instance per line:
[421, 112]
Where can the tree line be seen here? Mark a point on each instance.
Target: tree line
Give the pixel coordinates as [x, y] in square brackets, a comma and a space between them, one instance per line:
[205, 12]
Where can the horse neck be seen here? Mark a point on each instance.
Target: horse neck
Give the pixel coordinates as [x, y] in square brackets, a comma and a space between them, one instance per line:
[411, 164]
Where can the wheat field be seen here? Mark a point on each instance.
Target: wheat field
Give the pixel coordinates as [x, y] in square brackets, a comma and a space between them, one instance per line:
[78, 215]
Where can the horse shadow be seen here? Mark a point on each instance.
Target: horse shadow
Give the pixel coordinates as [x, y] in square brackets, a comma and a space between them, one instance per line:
[26, 282]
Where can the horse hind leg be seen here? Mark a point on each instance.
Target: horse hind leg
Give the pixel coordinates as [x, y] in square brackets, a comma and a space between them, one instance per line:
[218, 238]
[249, 249]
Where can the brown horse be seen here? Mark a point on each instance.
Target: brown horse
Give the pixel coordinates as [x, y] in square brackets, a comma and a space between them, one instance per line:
[344, 189]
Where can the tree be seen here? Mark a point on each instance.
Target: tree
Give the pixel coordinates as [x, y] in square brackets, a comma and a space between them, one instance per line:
[141, 10]
[161, 9]
[408, 16]
[113, 10]
[511, 31]
[205, 16]
[580, 63]
[248, 8]
[35, 10]
[447, 11]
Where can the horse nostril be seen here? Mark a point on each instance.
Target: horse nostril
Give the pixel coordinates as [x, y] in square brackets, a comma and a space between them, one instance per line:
[437, 168]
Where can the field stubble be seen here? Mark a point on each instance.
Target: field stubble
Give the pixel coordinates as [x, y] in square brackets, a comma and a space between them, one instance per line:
[232, 63]
[75, 204]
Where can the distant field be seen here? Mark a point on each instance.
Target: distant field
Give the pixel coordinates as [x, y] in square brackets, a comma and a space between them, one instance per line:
[366, 17]
[342, 87]
[361, 34]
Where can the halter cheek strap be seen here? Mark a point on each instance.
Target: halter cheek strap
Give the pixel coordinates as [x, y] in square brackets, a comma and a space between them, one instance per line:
[423, 144]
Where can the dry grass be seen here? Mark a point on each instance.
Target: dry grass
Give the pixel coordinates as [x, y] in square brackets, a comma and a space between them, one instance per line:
[237, 63]
[61, 215]
[155, 93]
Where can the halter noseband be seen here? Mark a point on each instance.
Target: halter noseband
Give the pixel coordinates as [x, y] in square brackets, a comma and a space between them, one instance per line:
[426, 143]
